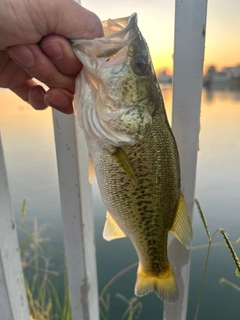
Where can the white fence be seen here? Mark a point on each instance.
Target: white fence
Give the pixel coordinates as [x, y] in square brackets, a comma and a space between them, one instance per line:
[76, 198]
[13, 299]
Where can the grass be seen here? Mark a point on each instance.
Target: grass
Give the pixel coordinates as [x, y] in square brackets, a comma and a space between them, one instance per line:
[133, 305]
[46, 283]
[42, 278]
[231, 249]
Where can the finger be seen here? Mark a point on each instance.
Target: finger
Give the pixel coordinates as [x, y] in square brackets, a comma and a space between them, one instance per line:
[40, 100]
[56, 98]
[74, 21]
[22, 90]
[31, 93]
[60, 100]
[36, 64]
[11, 75]
[36, 98]
[59, 50]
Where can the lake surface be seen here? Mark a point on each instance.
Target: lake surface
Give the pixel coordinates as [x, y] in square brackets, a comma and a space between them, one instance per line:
[31, 163]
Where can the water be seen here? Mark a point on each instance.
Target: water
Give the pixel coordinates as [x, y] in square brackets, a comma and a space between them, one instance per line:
[30, 156]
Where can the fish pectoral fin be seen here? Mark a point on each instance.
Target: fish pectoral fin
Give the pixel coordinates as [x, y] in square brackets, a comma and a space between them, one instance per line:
[91, 171]
[163, 284]
[181, 227]
[122, 160]
[111, 229]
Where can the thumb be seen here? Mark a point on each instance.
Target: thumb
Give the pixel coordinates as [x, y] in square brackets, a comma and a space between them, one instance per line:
[73, 21]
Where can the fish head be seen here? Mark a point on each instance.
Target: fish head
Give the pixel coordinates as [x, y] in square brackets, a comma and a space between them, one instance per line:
[117, 88]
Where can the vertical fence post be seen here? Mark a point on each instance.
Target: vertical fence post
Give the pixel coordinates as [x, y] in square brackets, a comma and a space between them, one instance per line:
[77, 216]
[5, 303]
[190, 26]
[13, 299]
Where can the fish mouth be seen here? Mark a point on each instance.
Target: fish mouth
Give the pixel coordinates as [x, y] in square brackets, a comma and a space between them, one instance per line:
[118, 27]
[118, 33]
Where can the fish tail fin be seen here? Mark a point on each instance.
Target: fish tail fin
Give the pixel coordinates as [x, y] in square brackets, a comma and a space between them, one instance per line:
[163, 284]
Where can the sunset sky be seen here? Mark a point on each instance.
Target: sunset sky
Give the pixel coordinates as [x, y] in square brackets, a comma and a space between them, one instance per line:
[156, 22]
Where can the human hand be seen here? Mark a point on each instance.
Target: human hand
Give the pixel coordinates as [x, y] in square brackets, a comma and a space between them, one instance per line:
[33, 44]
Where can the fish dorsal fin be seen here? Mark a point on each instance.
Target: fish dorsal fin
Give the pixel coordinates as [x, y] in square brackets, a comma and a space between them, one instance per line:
[181, 227]
[91, 171]
[111, 229]
[122, 160]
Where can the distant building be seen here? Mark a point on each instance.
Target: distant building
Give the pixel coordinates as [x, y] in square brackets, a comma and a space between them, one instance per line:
[236, 71]
[227, 78]
[163, 77]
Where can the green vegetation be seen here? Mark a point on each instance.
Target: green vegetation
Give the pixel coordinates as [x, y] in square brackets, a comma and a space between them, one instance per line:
[46, 280]
[231, 249]
[43, 279]
[133, 306]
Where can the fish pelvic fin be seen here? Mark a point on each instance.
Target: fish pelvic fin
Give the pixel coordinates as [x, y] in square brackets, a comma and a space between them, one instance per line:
[91, 171]
[124, 163]
[181, 227]
[111, 229]
[163, 284]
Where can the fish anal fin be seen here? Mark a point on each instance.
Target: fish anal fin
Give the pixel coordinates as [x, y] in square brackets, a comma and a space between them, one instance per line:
[163, 284]
[91, 171]
[124, 163]
[111, 229]
[181, 227]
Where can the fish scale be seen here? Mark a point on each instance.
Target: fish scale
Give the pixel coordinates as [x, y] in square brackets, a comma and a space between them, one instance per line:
[142, 210]
[133, 150]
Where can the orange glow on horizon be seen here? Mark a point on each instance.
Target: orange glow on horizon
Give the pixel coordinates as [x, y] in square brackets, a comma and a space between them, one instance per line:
[162, 63]
[220, 61]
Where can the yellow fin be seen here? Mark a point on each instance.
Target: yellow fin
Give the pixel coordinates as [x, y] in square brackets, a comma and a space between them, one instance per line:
[122, 160]
[91, 171]
[111, 229]
[163, 284]
[181, 227]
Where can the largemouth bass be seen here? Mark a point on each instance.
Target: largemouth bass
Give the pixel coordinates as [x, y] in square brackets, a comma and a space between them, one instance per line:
[120, 107]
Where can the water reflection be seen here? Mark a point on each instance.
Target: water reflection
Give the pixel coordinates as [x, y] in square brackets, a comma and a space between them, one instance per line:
[210, 95]
[30, 157]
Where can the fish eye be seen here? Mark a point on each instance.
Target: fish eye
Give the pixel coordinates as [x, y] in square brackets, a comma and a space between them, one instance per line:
[139, 65]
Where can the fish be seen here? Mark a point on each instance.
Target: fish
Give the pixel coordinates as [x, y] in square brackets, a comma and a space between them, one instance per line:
[133, 153]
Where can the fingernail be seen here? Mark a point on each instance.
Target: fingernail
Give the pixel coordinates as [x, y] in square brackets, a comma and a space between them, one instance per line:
[58, 100]
[53, 50]
[38, 95]
[22, 55]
